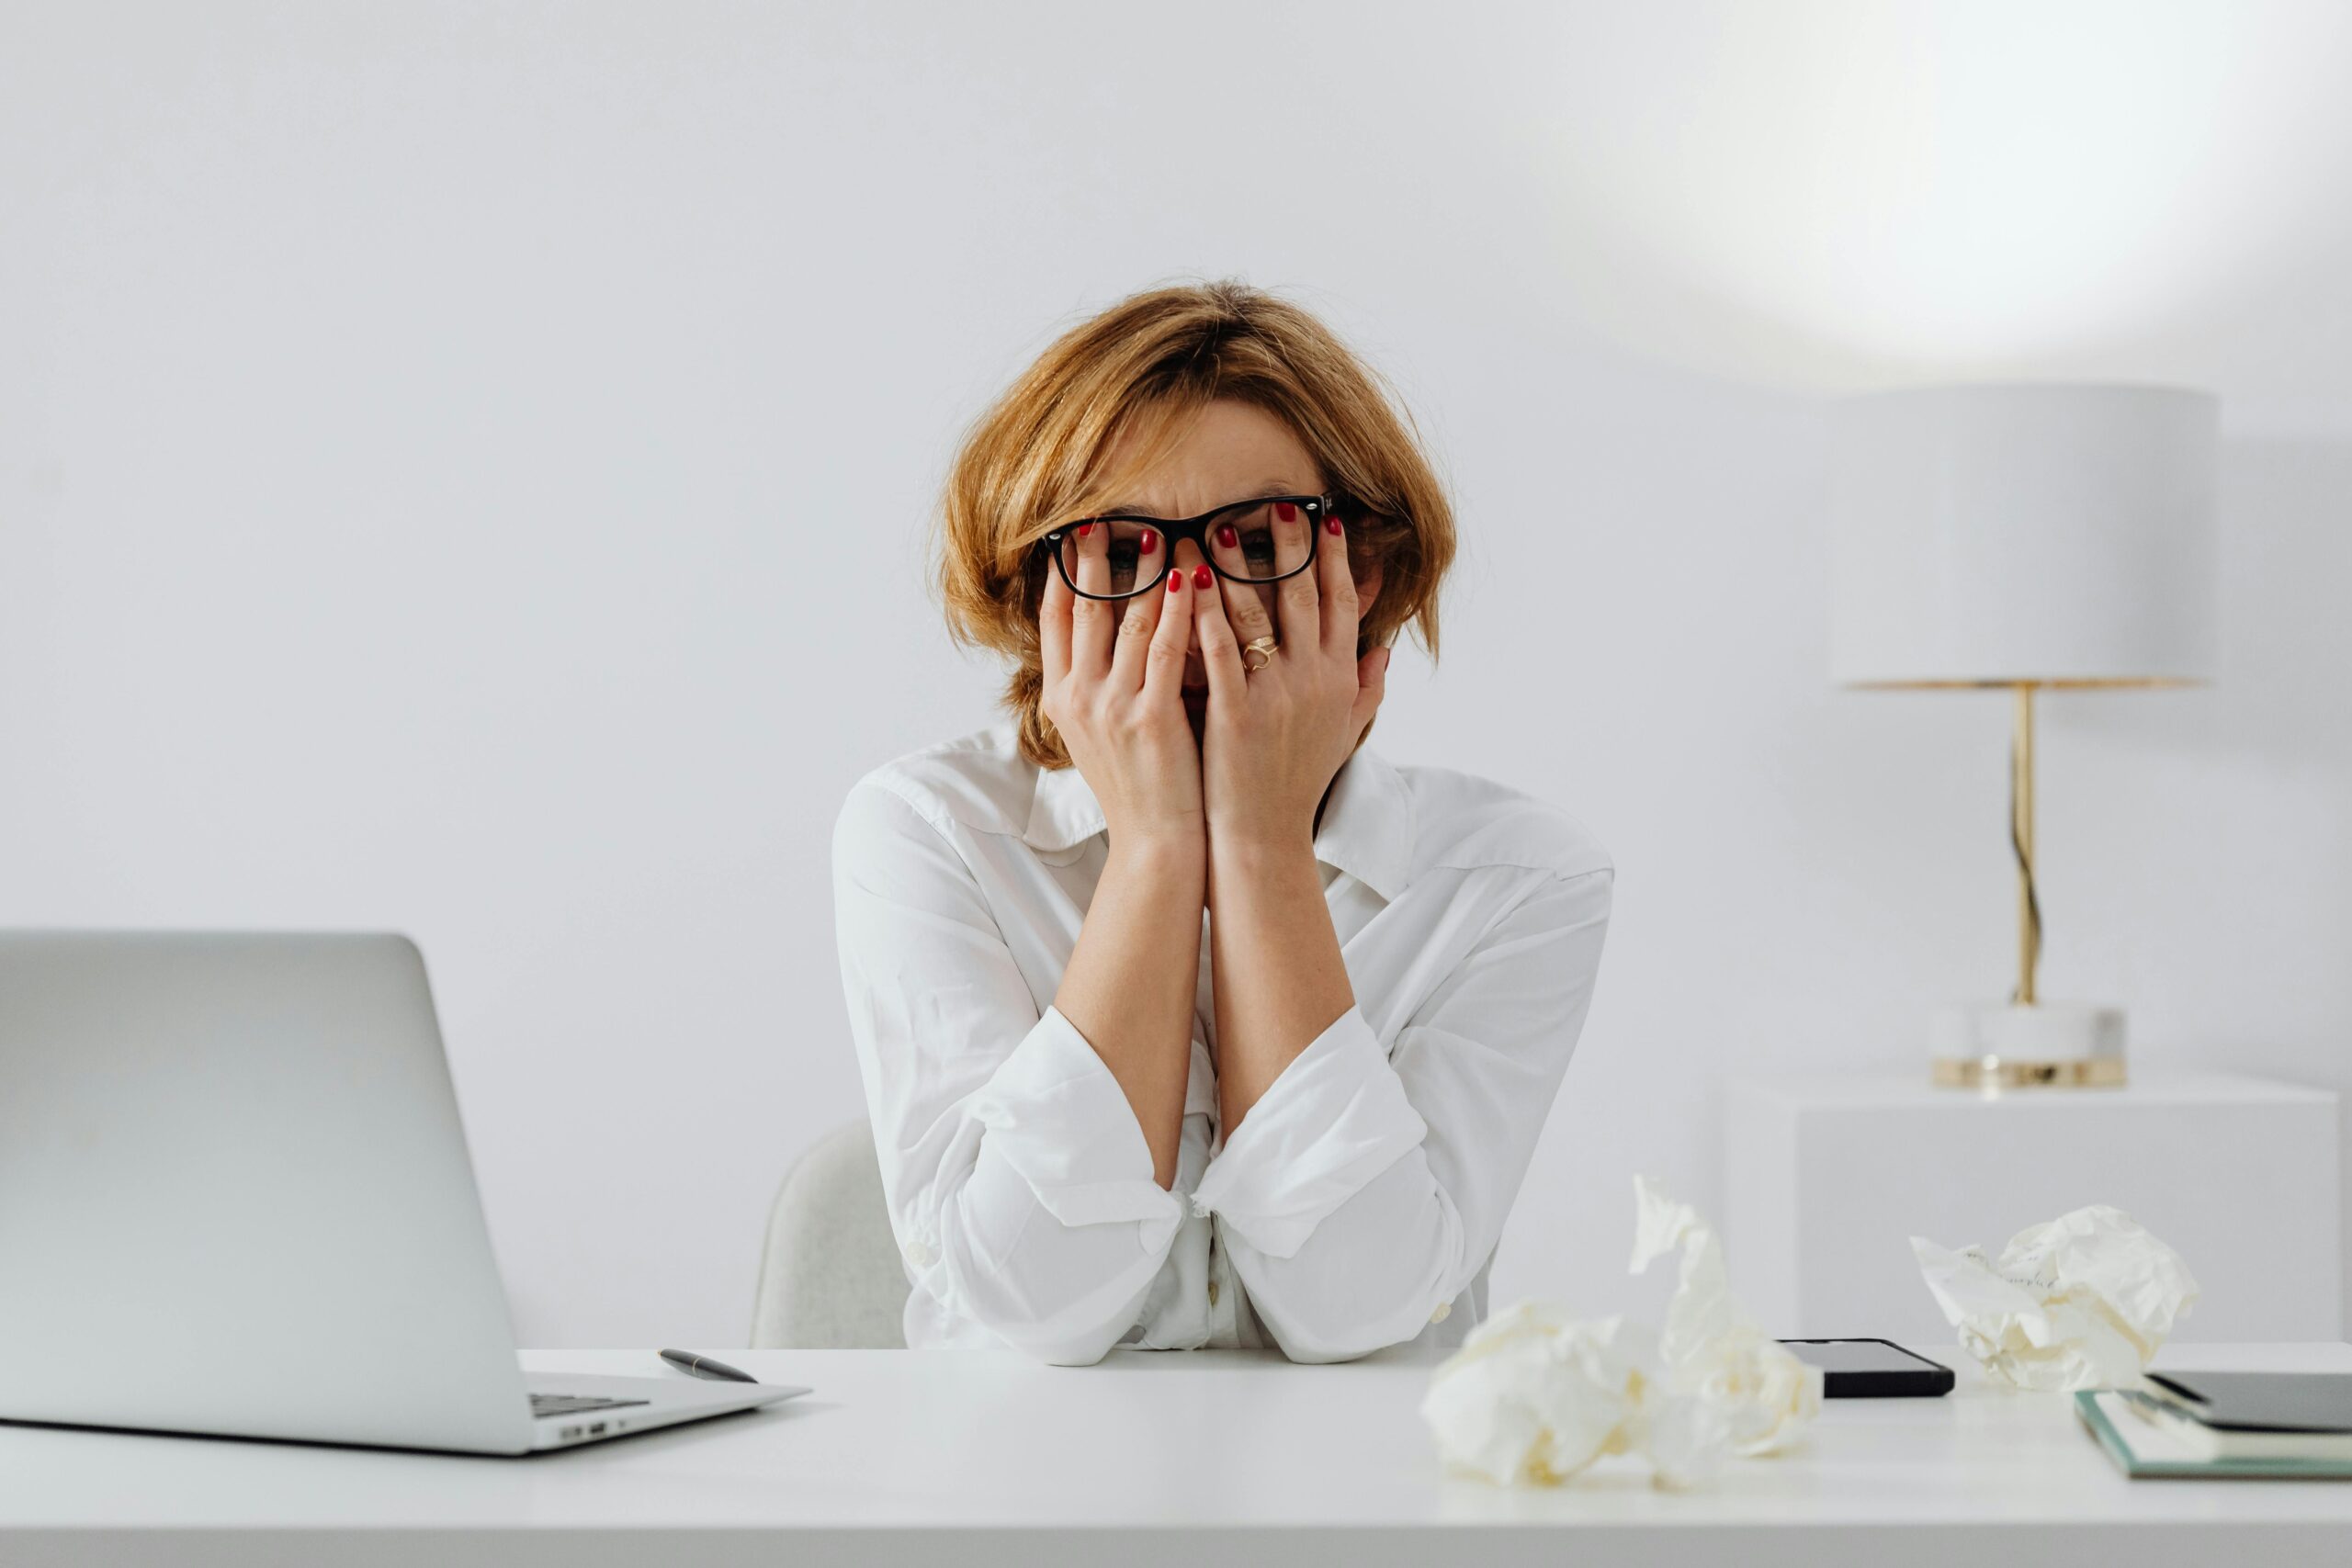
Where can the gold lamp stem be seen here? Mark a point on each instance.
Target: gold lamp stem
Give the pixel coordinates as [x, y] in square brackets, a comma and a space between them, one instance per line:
[2021, 842]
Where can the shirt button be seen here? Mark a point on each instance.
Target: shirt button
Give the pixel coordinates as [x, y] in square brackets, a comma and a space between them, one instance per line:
[1211, 1293]
[917, 1253]
[1445, 1311]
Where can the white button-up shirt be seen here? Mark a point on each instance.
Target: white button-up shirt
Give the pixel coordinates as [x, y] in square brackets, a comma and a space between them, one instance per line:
[1359, 1203]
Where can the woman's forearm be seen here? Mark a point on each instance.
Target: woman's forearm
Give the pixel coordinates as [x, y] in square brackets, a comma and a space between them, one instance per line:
[1129, 986]
[1275, 959]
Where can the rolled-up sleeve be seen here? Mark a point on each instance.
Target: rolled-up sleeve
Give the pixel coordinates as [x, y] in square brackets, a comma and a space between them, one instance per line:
[1367, 1187]
[1019, 1183]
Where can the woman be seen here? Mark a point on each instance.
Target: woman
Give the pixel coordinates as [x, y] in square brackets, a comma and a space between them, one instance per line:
[1183, 1021]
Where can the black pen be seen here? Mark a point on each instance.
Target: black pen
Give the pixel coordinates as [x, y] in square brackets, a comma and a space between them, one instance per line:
[703, 1366]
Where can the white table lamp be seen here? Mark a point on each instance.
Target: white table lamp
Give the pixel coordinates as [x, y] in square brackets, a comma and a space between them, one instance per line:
[2030, 536]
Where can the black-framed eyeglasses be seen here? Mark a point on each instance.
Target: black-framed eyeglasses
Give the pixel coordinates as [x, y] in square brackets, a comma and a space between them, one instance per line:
[1120, 554]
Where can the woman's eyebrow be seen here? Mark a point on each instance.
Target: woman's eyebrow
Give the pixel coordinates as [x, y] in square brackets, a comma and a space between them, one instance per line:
[1272, 487]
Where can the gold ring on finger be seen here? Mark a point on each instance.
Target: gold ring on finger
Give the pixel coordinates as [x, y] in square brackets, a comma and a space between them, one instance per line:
[1263, 646]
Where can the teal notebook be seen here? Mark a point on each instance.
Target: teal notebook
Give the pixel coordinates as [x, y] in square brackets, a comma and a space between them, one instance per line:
[2141, 1449]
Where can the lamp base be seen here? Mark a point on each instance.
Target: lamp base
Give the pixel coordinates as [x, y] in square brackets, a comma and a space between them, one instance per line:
[1997, 1045]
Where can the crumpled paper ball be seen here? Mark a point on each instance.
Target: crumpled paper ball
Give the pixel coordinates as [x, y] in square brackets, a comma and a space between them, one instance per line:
[1749, 1393]
[1535, 1394]
[1744, 1393]
[2082, 1302]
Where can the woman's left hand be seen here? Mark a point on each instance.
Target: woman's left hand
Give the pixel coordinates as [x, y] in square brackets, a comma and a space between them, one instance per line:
[1275, 736]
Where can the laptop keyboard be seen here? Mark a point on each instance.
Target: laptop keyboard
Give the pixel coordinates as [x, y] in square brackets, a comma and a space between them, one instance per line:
[573, 1403]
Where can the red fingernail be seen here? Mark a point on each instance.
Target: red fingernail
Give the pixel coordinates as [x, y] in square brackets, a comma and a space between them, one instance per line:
[1149, 543]
[1202, 577]
[1331, 524]
[1175, 582]
[1226, 537]
[1286, 511]
[1084, 529]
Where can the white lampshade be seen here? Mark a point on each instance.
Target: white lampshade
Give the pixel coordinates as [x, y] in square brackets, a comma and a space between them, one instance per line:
[1999, 534]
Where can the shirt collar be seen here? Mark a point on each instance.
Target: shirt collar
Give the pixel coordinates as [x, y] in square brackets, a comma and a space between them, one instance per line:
[1367, 828]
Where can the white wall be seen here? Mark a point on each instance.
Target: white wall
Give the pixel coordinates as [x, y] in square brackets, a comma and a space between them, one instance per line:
[462, 469]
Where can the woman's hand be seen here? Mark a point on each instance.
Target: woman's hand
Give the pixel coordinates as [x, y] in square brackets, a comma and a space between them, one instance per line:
[1113, 679]
[1277, 735]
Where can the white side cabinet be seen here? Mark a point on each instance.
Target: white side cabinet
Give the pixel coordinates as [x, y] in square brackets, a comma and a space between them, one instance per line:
[1827, 1178]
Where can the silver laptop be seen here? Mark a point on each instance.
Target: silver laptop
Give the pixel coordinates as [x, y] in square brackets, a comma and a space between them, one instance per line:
[235, 1199]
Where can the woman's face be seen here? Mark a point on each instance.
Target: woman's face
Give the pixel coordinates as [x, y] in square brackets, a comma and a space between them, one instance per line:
[1233, 451]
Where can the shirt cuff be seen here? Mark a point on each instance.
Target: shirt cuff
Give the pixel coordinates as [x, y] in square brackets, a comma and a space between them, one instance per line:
[1058, 1117]
[1332, 1120]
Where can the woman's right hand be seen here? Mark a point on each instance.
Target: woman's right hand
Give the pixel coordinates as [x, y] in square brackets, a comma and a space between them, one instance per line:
[1115, 673]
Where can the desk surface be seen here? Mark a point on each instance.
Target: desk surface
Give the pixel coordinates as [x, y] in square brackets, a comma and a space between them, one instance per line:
[976, 1457]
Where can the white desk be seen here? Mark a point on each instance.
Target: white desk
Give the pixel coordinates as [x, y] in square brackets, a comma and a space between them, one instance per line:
[1214, 1458]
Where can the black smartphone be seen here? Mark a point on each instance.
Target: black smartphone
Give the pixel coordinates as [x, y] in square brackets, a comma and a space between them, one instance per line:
[1871, 1369]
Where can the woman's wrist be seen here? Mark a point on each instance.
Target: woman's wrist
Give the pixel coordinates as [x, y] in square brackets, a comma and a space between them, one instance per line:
[1262, 845]
[1165, 848]
[1245, 865]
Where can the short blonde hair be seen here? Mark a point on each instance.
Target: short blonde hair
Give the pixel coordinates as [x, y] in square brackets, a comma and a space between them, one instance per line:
[1145, 366]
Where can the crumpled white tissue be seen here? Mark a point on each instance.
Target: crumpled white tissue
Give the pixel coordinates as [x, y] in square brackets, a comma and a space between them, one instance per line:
[1750, 1394]
[1535, 1394]
[2082, 1302]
